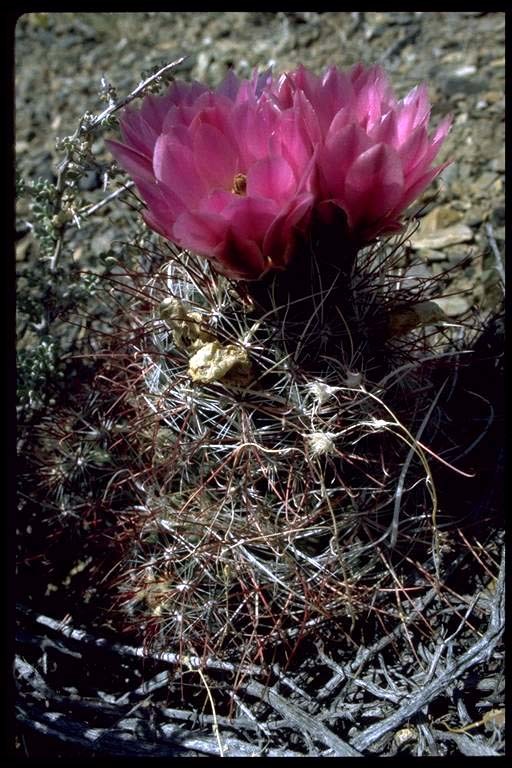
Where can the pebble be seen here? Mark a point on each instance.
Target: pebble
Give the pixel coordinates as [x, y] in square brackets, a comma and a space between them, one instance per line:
[430, 255]
[405, 735]
[22, 229]
[484, 181]
[23, 247]
[458, 233]
[448, 177]
[90, 180]
[439, 217]
[475, 217]
[493, 96]
[490, 291]
[456, 305]
[416, 274]
[464, 85]
[464, 71]
[455, 255]
[498, 162]
[498, 216]
[101, 242]
[43, 167]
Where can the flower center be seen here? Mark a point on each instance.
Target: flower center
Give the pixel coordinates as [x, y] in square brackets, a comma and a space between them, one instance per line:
[239, 184]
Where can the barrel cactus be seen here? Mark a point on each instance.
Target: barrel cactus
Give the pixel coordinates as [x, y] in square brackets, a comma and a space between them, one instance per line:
[286, 369]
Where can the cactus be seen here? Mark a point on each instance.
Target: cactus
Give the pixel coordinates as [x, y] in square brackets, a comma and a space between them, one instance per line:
[288, 397]
[287, 467]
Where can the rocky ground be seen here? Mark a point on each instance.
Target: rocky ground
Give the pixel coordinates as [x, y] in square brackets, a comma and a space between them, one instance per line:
[61, 59]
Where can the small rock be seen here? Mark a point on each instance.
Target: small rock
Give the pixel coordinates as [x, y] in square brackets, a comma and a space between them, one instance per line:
[408, 318]
[90, 180]
[204, 60]
[498, 163]
[497, 187]
[475, 217]
[23, 247]
[455, 256]
[492, 97]
[402, 18]
[465, 70]
[405, 735]
[465, 85]
[22, 229]
[101, 243]
[466, 170]
[438, 268]
[438, 218]
[498, 216]
[491, 291]
[484, 181]
[453, 57]
[461, 205]
[429, 255]
[453, 306]
[44, 167]
[450, 173]
[416, 275]
[461, 118]
[458, 233]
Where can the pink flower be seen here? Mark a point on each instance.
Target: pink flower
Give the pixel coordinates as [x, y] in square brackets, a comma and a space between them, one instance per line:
[375, 154]
[235, 173]
[223, 172]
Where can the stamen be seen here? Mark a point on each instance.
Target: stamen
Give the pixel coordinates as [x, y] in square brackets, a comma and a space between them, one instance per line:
[239, 184]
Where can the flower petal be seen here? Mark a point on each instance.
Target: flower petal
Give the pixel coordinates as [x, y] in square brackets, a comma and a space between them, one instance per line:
[215, 157]
[412, 152]
[373, 185]
[431, 151]
[415, 108]
[296, 145]
[216, 202]
[254, 125]
[163, 203]
[412, 191]
[138, 133]
[250, 217]
[200, 232]
[386, 131]
[230, 85]
[174, 165]
[338, 155]
[271, 178]
[280, 241]
[133, 162]
[239, 258]
[337, 90]
[307, 115]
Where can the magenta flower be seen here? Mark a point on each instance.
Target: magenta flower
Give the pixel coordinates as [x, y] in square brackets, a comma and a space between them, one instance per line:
[374, 153]
[235, 173]
[223, 172]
